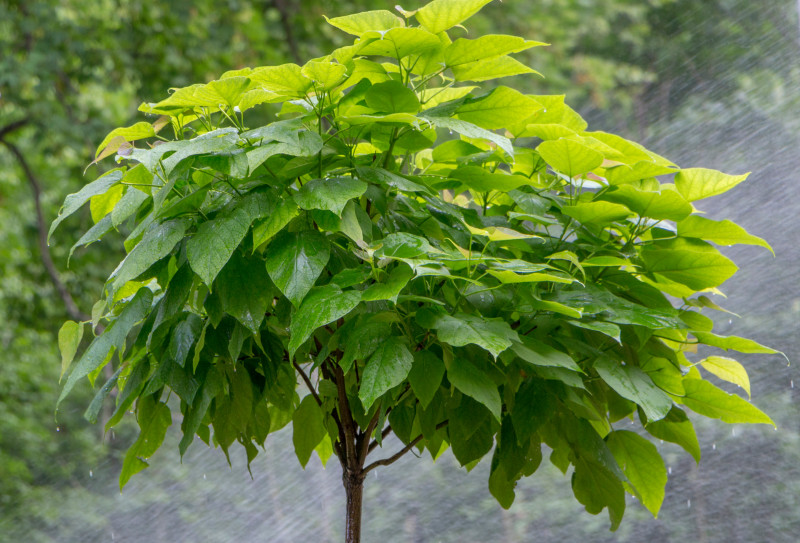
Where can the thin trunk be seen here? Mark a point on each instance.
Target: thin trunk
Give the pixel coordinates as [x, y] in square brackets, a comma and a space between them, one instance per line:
[354, 488]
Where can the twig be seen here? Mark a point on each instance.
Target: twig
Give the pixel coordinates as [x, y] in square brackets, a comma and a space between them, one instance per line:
[308, 382]
[395, 457]
[41, 225]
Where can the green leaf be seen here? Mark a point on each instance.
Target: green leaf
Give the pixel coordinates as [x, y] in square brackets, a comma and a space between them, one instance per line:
[464, 51]
[69, 338]
[308, 429]
[697, 265]
[158, 241]
[113, 337]
[425, 376]
[399, 43]
[698, 183]
[498, 109]
[388, 366]
[642, 465]
[244, 290]
[538, 353]
[138, 131]
[215, 241]
[223, 139]
[281, 215]
[632, 383]
[403, 245]
[154, 418]
[477, 178]
[472, 131]
[440, 15]
[476, 384]
[569, 157]
[491, 68]
[728, 370]
[676, 428]
[361, 23]
[295, 260]
[127, 206]
[667, 204]
[102, 204]
[389, 290]
[74, 202]
[733, 343]
[221, 92]
[392, 97]
[286, 79]
[706, 399]
[321, 306]
[494, 335]
[331, 194]
[596, 487]
[364, 338]
[597, 213]
[722, 232]
[325, 74]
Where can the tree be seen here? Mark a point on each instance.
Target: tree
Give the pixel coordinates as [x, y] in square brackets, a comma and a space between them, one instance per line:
[486, 292]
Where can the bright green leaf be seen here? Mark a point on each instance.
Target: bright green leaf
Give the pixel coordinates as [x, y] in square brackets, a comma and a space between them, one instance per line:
[642, 465]
[295, 260]
[387, 367]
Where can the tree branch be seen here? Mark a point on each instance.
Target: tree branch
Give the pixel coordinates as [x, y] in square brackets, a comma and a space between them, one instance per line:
[286, 24]
[308, 382]
[365, 437]
[395, 457]
[41, 225]
[386, 431]
[348, 425]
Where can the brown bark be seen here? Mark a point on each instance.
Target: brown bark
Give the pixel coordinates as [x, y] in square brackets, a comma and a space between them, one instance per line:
[354, 489]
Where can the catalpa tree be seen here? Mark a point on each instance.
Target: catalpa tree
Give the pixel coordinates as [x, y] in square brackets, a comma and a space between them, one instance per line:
[403, 252]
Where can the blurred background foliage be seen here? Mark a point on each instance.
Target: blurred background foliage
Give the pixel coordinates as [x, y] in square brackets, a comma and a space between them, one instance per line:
[712, 83]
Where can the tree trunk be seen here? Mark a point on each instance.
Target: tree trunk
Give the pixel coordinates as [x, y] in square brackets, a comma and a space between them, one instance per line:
[354, 488]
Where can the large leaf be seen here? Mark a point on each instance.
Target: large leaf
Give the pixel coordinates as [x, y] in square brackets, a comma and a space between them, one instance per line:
[498, 109]
[477, 178]
[667, 204]
[308, 429]
[633, 384]
[387, 367]
[475, 383]
[361, 23]
[425, 376]
[676, 428]
[392, 97]
[400, 43]
[69, 339]
[330, 194]
[395, 283]
[494, 335]
[596, 487]
[244, 290]
[113, 337]
[286, 79]
[490, 68]
[698, 183]
[440, 15]
[569, 157]
[696, 265]
[295, 260]
[154, 420]
[722, 232]
[215, 241]
[158, 241]
[706, 399]
[538, 353]
[73, 202]
[464, 51]
[321, 306]
[470, 130]
[325, 75]
[598, 213]
[733, 343]
[727, 369]
[642, 465]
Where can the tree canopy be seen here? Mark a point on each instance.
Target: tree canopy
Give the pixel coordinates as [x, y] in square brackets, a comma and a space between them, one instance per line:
[469, 270]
